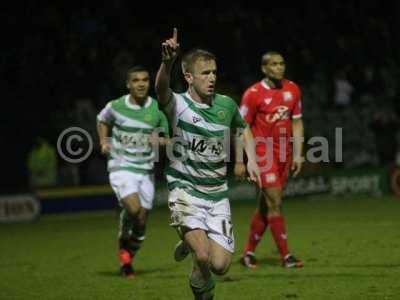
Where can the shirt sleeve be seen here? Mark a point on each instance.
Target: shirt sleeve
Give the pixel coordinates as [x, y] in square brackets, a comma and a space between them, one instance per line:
[174, 108]
[238, 121]
[297, 109]
[163, 124]
[106, 114]
[248, 107]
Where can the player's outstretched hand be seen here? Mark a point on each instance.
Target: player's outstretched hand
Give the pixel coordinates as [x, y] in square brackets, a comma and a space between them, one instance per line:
[170, 48]
[297, 163]
[105, 148]
[254, 172]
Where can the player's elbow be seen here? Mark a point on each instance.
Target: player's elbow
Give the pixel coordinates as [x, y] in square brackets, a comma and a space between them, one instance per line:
[247, 136]
[163, 96]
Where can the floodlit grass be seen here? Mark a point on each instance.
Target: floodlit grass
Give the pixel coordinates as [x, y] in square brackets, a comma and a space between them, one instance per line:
[350, 247]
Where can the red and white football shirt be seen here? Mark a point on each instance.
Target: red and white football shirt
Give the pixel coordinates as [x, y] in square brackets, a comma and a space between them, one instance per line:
[269, 112]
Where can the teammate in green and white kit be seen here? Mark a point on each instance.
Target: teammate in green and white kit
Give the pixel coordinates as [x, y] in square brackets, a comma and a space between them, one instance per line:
[135, 123]
[196, 175]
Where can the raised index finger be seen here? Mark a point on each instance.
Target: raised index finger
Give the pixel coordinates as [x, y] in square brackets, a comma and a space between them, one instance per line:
[175, 35]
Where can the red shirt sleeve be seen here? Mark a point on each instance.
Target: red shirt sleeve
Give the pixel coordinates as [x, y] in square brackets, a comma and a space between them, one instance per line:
[248, 107]
[297, 108]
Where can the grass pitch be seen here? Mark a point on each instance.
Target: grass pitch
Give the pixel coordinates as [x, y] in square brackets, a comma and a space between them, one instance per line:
[350, 247]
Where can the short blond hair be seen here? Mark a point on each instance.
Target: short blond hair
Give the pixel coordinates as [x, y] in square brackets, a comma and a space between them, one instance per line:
[190, 58]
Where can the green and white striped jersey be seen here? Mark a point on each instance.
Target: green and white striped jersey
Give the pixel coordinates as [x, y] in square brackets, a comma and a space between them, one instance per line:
[201, 144]
[132, 125]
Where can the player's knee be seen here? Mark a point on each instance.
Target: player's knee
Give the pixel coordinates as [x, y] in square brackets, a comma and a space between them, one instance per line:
[220, 267]
[133, 210]
[131, 206]
[202, 256]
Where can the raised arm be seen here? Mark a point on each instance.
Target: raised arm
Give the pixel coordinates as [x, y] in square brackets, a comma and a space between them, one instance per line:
[169, 53]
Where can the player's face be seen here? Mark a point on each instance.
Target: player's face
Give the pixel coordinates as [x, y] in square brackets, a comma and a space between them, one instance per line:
[204, 77]
[139, 84]
[274, 67]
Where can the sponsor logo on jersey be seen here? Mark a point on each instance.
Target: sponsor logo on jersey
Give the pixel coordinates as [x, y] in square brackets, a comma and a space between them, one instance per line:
[270, 177]
[147, 117]
[221, 114]
[136, 139]
[206, 147]
[287, 96]
[280, 113]
[196, 119]
[268, 100]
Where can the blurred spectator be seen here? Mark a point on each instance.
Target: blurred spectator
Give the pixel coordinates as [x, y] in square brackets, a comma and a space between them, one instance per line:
[343, 90]
[69, 51]
[42, 164]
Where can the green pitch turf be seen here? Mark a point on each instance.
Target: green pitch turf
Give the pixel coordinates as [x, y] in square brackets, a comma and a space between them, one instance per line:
[350, 247]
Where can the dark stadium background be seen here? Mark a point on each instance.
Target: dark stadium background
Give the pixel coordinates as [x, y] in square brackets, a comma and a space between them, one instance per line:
[56, 55]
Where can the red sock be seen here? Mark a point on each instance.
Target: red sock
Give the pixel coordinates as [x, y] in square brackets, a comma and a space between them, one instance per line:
[278, 231]
[124, 257]
[257, 227]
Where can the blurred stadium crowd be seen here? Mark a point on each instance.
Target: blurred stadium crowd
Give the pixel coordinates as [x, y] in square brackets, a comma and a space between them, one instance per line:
[68, 59]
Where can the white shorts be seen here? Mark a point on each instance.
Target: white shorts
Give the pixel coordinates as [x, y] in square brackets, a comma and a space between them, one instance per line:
[125, 183]
[214, 217]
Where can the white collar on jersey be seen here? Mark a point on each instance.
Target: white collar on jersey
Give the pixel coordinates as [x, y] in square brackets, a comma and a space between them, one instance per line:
[135, 106]
[196, 103]
[265, 84]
